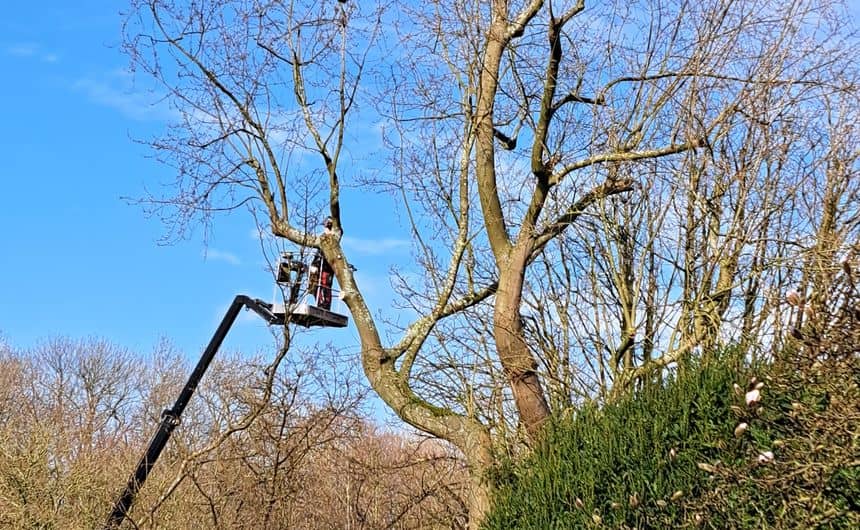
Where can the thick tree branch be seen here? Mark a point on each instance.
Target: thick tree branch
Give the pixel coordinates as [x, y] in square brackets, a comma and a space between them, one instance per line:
[574, 97]
[508, 143]
[624, 156]
[598, 193]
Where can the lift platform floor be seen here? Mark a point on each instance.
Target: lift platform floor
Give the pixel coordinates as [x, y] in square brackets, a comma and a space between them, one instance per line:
[310, 316]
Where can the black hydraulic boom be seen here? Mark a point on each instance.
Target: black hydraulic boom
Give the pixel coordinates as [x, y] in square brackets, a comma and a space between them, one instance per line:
[170, 417]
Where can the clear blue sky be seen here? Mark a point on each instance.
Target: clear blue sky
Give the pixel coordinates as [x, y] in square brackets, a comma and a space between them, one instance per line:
[75, 259]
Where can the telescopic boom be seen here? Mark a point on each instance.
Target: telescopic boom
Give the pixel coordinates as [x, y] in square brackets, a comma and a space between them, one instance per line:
[170, 417]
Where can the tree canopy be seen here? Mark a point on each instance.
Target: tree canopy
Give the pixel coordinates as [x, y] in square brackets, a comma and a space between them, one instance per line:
[594, 191]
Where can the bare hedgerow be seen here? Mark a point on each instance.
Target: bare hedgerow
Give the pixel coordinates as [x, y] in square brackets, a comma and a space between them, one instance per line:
[75, 415]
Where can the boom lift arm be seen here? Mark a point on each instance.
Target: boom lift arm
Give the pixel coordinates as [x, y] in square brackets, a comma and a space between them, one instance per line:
[170, 417]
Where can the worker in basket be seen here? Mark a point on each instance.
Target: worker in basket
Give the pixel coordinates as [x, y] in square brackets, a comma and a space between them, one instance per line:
[321, 275]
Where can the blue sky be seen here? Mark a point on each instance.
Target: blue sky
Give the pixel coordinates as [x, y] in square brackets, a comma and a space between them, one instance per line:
[75, 258]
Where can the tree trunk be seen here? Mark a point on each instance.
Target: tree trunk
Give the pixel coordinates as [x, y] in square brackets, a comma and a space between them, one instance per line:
[466, 433]
[511, 260]
[477, 449]
[516, 358]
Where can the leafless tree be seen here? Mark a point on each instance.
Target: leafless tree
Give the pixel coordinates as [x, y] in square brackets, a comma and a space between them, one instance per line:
[308, 459]
[704, 258]
[507, 123]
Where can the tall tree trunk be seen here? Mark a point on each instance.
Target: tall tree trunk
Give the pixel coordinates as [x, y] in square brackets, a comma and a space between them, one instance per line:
[511, 260]
[466, 433]
[516, 357]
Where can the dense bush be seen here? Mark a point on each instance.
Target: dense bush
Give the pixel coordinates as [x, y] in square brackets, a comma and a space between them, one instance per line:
[692, 452]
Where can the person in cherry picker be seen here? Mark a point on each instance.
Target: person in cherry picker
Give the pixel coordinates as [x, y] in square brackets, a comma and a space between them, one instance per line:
[321, 273]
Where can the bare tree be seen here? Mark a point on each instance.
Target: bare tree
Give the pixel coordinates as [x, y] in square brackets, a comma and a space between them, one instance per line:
[703, 259]
[508, 123]
[308, 460]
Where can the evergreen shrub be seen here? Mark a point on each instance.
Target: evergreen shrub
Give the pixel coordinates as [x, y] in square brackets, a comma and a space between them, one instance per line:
[674, 454]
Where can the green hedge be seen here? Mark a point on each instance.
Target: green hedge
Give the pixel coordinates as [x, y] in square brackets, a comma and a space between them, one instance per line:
[668, 457]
